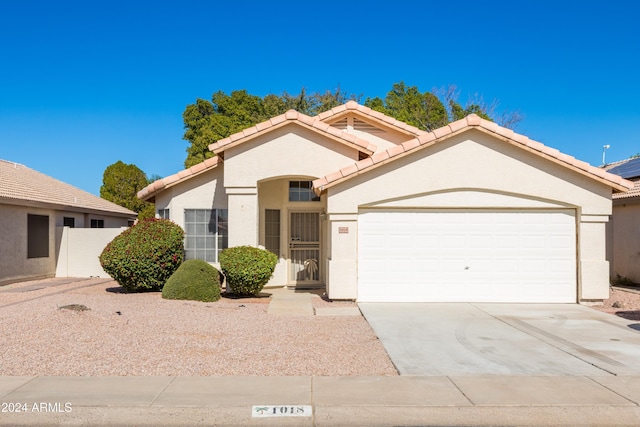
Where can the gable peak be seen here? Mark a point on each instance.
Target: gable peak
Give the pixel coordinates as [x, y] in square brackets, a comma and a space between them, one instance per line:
[352, 105]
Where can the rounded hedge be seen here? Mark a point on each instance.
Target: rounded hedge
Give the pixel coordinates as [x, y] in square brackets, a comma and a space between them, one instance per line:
[143, 257]
[194, 280]
[247, 269]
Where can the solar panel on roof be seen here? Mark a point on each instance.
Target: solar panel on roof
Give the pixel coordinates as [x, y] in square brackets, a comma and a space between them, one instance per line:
[630, 169]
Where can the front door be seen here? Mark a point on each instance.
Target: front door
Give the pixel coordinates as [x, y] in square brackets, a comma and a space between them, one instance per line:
[304, 248]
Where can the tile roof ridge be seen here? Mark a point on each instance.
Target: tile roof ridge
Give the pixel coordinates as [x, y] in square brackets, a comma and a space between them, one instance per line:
[14, 163]
[289, 115]
[354, 106]
[469, 122]
[294, 117]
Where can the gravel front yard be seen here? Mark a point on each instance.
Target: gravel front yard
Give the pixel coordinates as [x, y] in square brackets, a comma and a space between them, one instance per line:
[143, 334]
[623, 303]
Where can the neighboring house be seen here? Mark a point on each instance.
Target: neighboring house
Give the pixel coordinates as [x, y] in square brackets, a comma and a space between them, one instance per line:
[34, 208]
[373, 209]
[623, 231]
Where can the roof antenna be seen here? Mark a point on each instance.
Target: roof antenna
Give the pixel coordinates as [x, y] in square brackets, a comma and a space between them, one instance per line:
[604, 151]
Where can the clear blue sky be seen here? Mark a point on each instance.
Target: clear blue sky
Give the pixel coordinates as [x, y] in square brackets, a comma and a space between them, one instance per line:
[84, 84]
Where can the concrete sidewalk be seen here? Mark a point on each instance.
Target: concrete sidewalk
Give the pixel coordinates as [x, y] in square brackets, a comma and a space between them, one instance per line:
[334, 401]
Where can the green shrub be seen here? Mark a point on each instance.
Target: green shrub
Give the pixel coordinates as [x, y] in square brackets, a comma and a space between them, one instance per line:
[247, 269]
[622, 281]
[143, 257]
[194, 280]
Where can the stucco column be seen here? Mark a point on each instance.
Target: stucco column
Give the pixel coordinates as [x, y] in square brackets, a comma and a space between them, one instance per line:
[593, 266]
[243, 216]
[342, 271]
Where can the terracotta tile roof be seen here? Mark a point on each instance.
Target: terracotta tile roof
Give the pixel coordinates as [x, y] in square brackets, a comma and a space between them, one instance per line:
[20, 184]
[150, 190]
[375, 116]
[294, 117]
[632, 193]
[317, 123]
[472, 122]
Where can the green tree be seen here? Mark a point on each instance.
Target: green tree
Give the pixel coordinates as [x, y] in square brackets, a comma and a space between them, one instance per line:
[206, 122]
[120, 185]
[407, 104]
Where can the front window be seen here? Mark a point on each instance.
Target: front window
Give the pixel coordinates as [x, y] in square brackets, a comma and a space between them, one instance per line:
[206, 233]
[163, 214]
[301, 191]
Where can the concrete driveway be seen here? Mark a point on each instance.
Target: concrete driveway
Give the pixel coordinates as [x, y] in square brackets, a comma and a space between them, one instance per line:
[504, 339]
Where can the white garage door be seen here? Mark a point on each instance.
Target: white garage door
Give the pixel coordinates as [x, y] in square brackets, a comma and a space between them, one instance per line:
[467, 256]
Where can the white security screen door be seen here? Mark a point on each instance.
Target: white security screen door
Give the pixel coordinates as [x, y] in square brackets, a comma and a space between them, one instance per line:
[304, 248]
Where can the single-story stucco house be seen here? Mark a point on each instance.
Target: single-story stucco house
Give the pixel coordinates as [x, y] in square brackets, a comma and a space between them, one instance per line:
[34, 209]
[623, 231]
[373, 209]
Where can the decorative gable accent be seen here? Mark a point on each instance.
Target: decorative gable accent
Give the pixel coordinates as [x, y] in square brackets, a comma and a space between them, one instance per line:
[374, 118]
[353, 123]
[295, 118]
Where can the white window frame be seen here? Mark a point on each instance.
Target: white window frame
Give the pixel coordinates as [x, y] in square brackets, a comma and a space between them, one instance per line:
[201, 242]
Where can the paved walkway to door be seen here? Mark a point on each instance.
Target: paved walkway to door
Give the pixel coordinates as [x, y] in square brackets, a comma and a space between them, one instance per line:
[291, 302]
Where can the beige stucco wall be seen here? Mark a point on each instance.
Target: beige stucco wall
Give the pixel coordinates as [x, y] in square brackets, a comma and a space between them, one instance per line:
[274, 194]
[472, 170]
[204, 191]
[289, 151]
[472, 160]
[14, 263]
[79, 249]
[623, 240]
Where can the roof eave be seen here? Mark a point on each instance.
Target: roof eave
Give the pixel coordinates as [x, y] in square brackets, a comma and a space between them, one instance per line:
[149, 192]
[63, 207]
[474, 122]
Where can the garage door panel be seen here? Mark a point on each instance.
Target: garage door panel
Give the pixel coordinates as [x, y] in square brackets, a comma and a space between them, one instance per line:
[481, 241]
[474, 256]
[452, 241]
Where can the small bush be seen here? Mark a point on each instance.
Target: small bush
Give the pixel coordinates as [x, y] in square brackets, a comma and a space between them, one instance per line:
[143, 257]
[194, 280]
[247, 269]
[623, 281]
